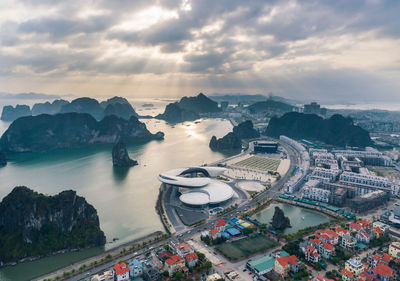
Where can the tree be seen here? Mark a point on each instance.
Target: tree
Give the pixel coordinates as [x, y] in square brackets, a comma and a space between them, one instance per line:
[179, 275]
[317, 266]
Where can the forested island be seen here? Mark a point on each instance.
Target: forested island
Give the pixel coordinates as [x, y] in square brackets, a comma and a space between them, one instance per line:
[48, 132]
[114, 106]
[336, 130]
[33, 224]
[233, 140]
[189, 109]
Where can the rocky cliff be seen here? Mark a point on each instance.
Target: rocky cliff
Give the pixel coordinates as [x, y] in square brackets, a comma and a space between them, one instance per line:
[336, 130]
[3, 159]
[119, 107]
[199, 104]
[48, 108]
[49, 132]
[233, 140]
[174, 114]
[189, 109]
[228, 142]
[11, 113]
[279, 221]
[33, 224]
[84, 105]
[120, 156]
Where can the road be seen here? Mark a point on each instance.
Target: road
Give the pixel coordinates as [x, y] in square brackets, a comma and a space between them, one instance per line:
[273, 192]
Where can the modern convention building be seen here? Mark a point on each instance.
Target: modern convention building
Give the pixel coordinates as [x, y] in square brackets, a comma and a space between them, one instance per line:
[198, 186]
[265, 147]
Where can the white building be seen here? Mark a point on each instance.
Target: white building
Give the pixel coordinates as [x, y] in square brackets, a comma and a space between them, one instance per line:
[329, 174]
[105, 276]
[370, 156]
[198, 186]
[363, 179]
[316, 194]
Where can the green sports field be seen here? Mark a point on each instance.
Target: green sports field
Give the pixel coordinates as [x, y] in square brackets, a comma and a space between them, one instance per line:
[259, 163]
[246, 247]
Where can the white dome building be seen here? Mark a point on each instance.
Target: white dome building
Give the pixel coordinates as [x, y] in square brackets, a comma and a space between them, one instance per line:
[198, 186]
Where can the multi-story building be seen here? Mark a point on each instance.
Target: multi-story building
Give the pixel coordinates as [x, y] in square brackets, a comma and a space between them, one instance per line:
[330, 175]
[350, 177]
[363, 237]
[394, 250]
[384, 273]
[316, 194]
[183, 249]
[284, 265]
[191, 259]
[121, 272]
[135, 268]
[311, 254]
[347, 275]
[355, 266]
[370, 156]
[348, 242]
[173, 264]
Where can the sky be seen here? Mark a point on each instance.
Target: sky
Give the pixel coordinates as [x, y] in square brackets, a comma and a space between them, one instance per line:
[328, 51]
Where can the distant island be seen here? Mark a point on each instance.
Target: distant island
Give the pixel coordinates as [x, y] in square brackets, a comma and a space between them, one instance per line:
[120, 156]
[189, 109]
[336, 130]
[48, 132]
[28, 96]
[33, 224]
[233, 140]
[11, 113]
[117, 106]
[270, 106]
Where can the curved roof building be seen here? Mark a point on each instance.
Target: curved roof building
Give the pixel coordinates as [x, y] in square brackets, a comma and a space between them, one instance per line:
[198, 186]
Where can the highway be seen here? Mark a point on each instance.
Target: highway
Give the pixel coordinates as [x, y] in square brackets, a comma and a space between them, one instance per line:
[273, 192]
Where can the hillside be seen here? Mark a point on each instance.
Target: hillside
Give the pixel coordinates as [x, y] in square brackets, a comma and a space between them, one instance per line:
[269, 105]
[337, 130]
[48, 132]
[34, 224]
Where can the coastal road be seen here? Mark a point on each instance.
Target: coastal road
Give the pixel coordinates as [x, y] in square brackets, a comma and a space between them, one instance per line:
[273, 192]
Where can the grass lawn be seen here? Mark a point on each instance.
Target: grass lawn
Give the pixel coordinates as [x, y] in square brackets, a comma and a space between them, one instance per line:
[259, 163]
[246, 247]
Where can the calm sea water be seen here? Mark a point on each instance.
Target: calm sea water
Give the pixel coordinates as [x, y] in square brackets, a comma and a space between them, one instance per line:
[295, 215]
[124, 198]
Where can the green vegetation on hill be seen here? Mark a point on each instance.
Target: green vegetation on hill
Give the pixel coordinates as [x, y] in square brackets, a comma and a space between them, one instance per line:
[48, 132]
[233, 140]
[336, 130]
[33, 224]
[270, 105]
[188, 109]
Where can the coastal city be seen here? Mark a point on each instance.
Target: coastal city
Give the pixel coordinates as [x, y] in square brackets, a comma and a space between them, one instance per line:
[275, 208]
[199, 140]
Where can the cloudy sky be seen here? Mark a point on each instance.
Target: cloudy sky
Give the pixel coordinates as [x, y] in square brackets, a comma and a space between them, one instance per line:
[323, 50]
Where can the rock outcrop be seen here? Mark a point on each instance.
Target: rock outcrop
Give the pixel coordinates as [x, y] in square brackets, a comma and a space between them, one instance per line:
[119, 107]
[279, 221]
[228, 142]
[336, 130]
[84, 105]
[48, 108]
[199, 104]
[48, 132]
[189, 109]
[11, 113]
[233, 140]
[3, 159]
[34, 224]
[245, 130]
[175, 114]
[120, 156]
